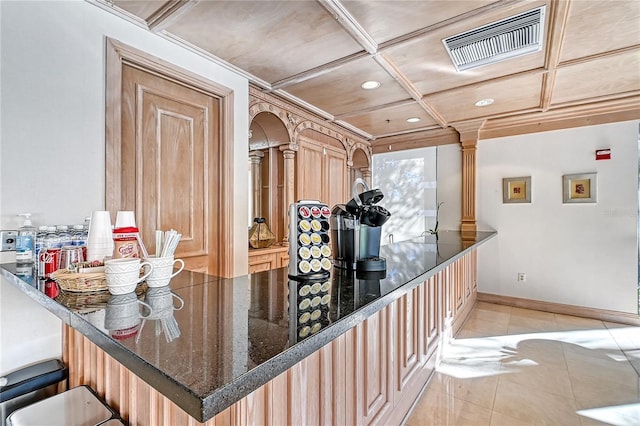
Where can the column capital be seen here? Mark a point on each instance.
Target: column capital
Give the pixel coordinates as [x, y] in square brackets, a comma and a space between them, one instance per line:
[469, 130]
[256, 156]
[288, 147]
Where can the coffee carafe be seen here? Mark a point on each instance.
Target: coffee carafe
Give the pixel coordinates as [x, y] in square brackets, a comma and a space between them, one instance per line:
[356, 229]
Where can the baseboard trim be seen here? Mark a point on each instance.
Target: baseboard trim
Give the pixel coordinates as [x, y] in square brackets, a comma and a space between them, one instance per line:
[559, 308]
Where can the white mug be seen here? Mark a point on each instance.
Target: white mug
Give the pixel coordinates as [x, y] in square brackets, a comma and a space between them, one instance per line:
[162, 270]
[123, 311]
[161, 300]
[123, 275]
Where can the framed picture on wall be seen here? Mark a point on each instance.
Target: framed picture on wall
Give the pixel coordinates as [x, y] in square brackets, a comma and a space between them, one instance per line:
[579, 188]
[516, 190]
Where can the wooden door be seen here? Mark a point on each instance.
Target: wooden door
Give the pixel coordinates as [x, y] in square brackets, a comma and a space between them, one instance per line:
[170, 154]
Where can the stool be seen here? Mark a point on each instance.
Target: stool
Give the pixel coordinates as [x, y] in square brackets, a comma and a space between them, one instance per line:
[30, 384]
[77, 406]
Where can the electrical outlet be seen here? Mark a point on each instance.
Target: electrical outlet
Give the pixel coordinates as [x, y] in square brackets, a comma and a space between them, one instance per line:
[8, 240]
[522, 277]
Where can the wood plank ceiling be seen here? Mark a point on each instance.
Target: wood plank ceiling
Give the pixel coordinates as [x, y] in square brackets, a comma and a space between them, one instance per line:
[317, 54]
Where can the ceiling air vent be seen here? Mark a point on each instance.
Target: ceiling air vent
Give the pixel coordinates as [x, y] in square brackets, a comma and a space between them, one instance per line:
[508, 38]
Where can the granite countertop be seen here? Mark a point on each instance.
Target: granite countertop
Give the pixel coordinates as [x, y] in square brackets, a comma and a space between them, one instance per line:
[232, 335]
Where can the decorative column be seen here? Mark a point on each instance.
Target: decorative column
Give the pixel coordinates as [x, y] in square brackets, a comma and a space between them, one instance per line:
[468, 225]
[289, 153]
[256, 181]
[469, 136]
[366, 175]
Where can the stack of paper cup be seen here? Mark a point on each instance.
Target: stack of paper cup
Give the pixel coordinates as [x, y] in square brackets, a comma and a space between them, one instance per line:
[125, 219]
[100, 238]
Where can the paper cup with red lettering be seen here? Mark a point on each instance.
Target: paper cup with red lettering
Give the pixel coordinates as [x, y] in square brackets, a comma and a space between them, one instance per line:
[123, 275]
[162, 270]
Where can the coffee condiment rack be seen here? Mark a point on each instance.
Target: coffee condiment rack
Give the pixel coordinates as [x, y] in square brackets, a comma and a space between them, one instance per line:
[309, 241]
[308, 307]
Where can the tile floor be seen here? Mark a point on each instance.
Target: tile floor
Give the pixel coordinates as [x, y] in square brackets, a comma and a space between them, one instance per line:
[511, 366]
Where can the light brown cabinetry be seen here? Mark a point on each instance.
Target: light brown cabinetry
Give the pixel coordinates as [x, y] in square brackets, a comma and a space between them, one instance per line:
[371, 374]
[321, 173]
[268, 258]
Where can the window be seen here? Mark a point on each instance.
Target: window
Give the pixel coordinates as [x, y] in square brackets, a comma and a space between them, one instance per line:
[409, 184]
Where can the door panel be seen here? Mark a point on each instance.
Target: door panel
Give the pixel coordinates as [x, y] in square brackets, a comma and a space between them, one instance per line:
[409, 335]
[336, 182]
[432, 316]
[170, 142]
[377, 370]
[321, 174]
[309, 173]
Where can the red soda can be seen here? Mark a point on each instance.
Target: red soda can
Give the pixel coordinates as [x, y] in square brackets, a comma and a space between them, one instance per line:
[51, 289]
[50, 260]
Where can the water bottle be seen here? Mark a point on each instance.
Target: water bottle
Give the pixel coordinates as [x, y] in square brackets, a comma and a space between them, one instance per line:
[64, 235]
[51, 239]
[78, 236]
[42, 231]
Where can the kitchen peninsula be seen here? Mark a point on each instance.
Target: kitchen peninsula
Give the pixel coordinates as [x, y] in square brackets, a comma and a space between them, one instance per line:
[241, 358]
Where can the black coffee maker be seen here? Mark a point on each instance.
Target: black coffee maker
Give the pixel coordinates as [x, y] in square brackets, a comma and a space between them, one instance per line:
[356, 229]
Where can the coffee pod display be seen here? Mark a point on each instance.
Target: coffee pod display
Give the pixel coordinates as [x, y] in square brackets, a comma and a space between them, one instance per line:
[309, 248]
[308, 307]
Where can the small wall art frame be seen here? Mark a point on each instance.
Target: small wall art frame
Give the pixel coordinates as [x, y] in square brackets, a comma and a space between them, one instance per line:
[580, 188]
[516, 190]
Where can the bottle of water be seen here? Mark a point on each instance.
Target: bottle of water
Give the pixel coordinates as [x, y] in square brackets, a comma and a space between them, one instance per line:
[42, 231]
[64, 235]
[78, 236]
[51, 239]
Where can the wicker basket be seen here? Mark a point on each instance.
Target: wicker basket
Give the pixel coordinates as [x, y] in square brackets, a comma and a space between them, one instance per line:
[92, 301]
[80, 282]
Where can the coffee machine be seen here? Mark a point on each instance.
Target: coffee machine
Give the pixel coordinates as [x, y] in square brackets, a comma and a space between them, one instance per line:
[356, 229]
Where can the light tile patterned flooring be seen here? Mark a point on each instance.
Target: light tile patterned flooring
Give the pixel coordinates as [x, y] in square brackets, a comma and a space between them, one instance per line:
[512, 366]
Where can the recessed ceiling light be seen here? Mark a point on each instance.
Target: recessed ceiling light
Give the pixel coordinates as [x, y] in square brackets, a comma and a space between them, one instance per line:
[413, 119]
[370, 85]
[484, 102]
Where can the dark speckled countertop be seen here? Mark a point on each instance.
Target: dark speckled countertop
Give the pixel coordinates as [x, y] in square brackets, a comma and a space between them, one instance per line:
[234, 335]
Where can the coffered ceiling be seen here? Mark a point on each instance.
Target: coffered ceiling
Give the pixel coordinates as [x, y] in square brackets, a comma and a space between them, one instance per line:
[317, 54]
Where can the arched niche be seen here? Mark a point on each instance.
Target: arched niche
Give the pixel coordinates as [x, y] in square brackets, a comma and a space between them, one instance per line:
[267, 128]
[267, 132]
[360, 163]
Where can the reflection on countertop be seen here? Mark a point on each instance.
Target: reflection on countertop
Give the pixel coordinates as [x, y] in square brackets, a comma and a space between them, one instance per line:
[205, 333]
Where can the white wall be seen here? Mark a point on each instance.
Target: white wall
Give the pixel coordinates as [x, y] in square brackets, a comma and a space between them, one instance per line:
[52, 136]
[577, 254]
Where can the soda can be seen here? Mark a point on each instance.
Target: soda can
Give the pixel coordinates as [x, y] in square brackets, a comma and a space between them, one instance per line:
[50, 261]
[51, 289]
